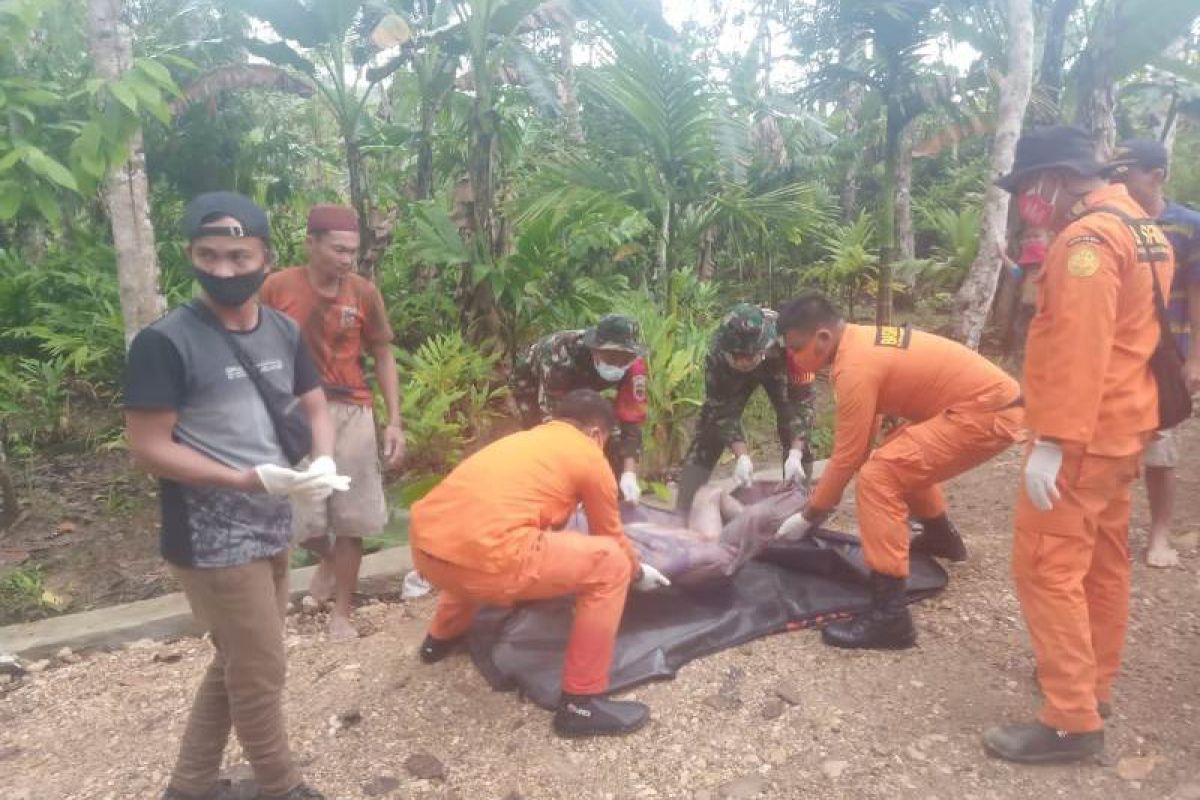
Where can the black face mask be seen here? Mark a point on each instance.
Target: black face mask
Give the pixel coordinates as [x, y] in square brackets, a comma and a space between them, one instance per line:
[232, 291]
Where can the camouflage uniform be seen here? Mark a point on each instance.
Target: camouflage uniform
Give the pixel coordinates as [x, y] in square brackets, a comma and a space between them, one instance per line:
[745, 329]
[560, 362]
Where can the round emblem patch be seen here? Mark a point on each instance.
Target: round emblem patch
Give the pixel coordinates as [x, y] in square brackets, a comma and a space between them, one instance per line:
[1083, 262]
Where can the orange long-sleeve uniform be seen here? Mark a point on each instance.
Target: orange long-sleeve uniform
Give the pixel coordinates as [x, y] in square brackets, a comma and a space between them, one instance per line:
[486, 534]
[961, 410]
[1088, 385]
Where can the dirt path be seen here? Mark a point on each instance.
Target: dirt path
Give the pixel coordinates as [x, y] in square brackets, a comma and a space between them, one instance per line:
[865, 725]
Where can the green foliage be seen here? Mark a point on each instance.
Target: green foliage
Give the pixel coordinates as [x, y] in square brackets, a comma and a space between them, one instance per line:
[24, 596]
[450, 395]
[676, 342]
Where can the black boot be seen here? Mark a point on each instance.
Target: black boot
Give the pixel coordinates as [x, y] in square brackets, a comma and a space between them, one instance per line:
[434, 650]
[591, 715]
[691, 478]
[939, 537]
[1035, 743]
[887, 626]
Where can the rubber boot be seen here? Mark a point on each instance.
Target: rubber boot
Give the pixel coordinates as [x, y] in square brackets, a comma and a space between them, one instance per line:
[1035, 743]
[691, 479]
[939, 537]
[887, 626]
[434, 650]
[591, 715]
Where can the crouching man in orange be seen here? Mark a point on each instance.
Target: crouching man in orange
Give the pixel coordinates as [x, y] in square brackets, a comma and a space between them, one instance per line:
[961, 411]
[486, 534]
[1091, 405]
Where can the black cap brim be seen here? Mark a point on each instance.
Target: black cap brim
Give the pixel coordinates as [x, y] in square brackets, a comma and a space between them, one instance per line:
[1087, 168]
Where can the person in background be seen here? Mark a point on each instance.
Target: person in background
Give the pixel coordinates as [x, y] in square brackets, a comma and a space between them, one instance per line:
[1025, 268]
[608, 355]
[342, 318]
[196, 419]
[487, 534]
[745, 354]
[1091, 403]
[1141, 165]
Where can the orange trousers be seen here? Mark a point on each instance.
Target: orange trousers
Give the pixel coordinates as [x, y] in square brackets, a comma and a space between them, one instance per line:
[593, 568]
[1071, 566]
[901, 477]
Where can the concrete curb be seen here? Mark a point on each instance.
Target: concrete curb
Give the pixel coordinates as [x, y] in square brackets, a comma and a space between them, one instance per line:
[166, 616]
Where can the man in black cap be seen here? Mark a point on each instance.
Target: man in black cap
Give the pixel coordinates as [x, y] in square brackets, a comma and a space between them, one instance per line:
[197, 418]
[608, 355]
[1090, 402]
[1141, 165]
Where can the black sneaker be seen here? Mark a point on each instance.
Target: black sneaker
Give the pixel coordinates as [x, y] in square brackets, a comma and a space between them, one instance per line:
[434, 650]
[301, 792]
[939, 537]
[589, 715]
[1035, 743]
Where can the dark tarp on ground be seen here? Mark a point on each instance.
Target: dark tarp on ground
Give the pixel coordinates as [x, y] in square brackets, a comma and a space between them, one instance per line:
[787, 587]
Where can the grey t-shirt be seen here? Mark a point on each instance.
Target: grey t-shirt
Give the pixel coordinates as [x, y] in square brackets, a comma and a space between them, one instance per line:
[181, 363]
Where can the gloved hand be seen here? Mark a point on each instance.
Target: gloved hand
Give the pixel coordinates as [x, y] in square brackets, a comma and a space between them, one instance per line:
[743, 471]
[650, 580]
[630, 490]
[1041, 474]
[793, 467]
[314, 483]
[325, 481]
[801, 525]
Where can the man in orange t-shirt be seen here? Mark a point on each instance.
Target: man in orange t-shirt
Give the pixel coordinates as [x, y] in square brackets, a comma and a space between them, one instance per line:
[341, 317]
[961, 410]
[487, 534]
[1091, 404]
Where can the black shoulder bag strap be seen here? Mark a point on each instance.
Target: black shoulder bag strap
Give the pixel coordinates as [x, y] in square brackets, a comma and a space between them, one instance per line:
[1160, 301]
[266, 393]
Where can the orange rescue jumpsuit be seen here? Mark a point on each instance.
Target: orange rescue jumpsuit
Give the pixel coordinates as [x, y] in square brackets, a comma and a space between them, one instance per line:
[1088, 386]
[962, 408]
[484, 535]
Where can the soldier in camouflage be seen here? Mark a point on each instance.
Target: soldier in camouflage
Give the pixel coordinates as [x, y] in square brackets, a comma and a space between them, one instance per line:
[745, 354]
[605, 356]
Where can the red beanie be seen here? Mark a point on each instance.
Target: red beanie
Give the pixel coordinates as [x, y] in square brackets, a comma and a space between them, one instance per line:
[332, 218]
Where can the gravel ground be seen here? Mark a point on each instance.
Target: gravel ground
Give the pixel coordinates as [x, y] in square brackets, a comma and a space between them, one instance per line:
[783, 717]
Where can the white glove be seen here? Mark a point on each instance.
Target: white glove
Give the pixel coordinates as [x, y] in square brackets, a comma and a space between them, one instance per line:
[743, 471]
[1041, 474]
[801, 525]
[651, 579]
[630, 490]
[793, 467]
[309, 485]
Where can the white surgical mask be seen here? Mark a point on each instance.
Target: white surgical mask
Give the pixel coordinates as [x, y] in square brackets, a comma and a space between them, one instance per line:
[610, 372]
[750, 367]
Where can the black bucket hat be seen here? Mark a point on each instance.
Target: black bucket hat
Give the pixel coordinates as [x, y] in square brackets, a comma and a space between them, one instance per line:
[1052, 147]
[1141, 153]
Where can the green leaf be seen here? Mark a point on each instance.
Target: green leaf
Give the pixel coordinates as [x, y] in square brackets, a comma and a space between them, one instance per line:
[156, 72]
[44, 201]
[125, 95]
[13, 157]
[11, 197]
[280, 54]
[48, 168]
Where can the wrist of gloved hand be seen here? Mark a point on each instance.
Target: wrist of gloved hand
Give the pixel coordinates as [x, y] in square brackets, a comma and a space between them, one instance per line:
[793, 466]
[631, 492]
[650, 579]
[743, 470]
[1041, 474]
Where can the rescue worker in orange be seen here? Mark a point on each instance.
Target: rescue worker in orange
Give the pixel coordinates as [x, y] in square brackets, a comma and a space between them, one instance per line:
[486, 534]
[960, 410]
[1091, 404]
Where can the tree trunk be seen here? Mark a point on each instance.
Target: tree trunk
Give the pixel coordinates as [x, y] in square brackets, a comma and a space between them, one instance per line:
[1097, 97]
[974, 297]
[1050, 75]
[358, 199]
[567, 96]
[126, 190]
[849, 193]
[425, 151]
[906, 247]
[482, 158]
[887, 209]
